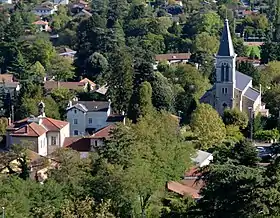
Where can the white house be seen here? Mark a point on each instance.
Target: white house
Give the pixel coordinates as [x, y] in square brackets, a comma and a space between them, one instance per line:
[61, 2]
[6, 1]
[42, 134]
[45, 9]
[86, 117]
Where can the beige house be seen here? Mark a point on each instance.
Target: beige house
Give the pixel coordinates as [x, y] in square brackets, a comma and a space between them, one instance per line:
[43, 134]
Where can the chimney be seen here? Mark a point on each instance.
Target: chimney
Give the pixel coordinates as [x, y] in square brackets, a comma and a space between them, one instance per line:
[26, 129]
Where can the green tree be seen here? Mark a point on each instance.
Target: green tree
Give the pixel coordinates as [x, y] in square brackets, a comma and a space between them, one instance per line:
[145, 98]
[97, 65]
[61, 68]
[120, 79]
[200, 43]
[230, 190]
[41, 50]
[208, 126]
[210, 23]
[235, 117]
[151, 154]
[37, 71]
[163, 96]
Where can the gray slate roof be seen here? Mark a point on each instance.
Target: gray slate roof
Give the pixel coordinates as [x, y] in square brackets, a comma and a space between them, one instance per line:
[252, 94]
[226, 45]
[94, 105]
[242, 80]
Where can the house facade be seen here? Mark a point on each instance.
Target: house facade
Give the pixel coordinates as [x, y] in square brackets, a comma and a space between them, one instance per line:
[232, 88]
[42, 134]
[86, 117]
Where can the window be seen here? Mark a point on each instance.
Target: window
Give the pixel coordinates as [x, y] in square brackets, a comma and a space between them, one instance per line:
[95, 143]
[225, 72]
[90, 120]
[75, 111]
[53, 140]
[224, 90]
[76, 132]
[75, 121]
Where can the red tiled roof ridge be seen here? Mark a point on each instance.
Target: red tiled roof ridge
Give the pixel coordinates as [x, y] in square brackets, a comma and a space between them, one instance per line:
[55, 124]
[34, 129]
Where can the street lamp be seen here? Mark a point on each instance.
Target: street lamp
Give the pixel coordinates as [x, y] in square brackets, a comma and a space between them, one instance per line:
[3, 212]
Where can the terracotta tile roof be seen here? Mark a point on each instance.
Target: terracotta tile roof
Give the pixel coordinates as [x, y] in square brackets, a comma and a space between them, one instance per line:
[86, 81]
[80, 144]
[183, 189]
[30, 130]
[53, 125]
[104, 132]
[40, 22]
[6, 78]
[173, 56]
[68, 85]
[246, 59]
[49, 85]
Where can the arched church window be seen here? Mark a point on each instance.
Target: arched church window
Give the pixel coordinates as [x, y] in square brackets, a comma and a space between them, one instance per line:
[227, 72]
[222, 72]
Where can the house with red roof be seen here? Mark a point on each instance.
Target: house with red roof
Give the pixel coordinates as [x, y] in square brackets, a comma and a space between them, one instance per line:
[81, 85]
[86, 144]
[43, 134]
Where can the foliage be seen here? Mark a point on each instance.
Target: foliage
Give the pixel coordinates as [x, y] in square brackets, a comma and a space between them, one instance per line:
[145, 98]
[120, 80]
[201, 45]
[207, 126]
[249, 69]
[61, 68]
[141, 158]
[163, 96]
[233, 134]
[235, 117]
[267, 135]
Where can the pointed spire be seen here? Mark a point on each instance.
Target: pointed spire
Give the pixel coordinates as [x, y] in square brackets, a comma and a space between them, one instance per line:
[226, 45]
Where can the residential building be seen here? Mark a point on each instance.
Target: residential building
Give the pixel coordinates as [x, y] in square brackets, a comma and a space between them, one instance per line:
[42, 25]
[86, 144]
[86, 117]
[202, 158]
[45, 9]
[232, 88]
[61, 2]
[82, 85]
[42, 134]
[66, 52]
[9, 85]
[172, 58]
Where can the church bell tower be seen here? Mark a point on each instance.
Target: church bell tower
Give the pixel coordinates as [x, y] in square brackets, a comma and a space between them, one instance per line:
[225, 72]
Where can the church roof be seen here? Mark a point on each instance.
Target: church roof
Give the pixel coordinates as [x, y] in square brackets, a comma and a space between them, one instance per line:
[226, 45]
[242, 80]
[252, 94]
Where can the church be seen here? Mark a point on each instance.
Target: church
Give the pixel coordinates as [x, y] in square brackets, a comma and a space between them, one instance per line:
[232, 88]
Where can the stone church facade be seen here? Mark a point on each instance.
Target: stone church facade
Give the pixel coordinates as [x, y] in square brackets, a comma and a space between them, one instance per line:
[232, 88]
